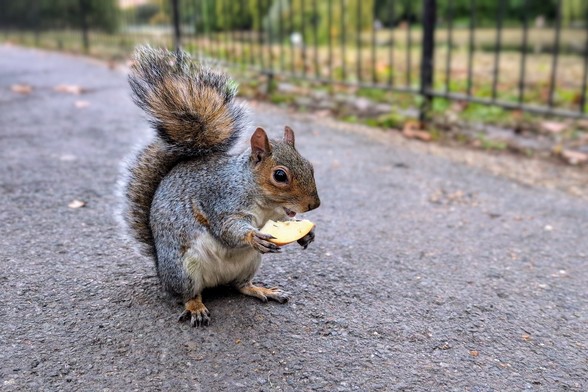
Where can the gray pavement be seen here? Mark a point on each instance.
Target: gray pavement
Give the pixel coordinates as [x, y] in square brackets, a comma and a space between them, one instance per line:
[426, 275]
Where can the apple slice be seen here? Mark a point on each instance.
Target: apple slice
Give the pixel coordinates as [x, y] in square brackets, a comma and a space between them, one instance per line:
[286, 232]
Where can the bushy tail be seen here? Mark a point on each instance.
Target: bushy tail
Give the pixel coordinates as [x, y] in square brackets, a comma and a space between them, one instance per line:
[193, 111]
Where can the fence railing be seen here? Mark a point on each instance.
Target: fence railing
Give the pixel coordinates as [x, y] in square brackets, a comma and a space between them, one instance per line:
[527, 55]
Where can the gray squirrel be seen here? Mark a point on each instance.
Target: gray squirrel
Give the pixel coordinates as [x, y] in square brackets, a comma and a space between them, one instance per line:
[194, 207]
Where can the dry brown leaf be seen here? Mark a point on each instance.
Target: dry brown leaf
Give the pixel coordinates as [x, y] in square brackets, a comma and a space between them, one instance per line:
[553, 127]
[474, 353]
[21, 88]
[322, 113]
[76, 204]
[413, 130]
[82, 104]
[69, 89]
[574, 157]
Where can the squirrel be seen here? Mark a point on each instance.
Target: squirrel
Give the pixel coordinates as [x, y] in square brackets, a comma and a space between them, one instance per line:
[191, 204]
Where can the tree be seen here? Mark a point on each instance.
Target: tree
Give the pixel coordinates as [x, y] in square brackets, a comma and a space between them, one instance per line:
[49, 14]
[309, 16]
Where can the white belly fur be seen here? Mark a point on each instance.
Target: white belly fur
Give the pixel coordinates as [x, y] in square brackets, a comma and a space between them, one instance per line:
[210, 264]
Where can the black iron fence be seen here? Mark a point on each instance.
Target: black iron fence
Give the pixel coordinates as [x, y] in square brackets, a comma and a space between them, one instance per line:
[527, 55]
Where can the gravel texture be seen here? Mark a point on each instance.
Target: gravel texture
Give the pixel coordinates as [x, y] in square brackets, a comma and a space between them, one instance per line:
[426, 275]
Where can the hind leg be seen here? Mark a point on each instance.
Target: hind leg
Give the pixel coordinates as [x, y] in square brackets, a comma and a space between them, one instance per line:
[264, 294]
[174, 273]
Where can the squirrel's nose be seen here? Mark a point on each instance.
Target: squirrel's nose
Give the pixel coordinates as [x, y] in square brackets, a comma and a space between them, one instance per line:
[315, 204]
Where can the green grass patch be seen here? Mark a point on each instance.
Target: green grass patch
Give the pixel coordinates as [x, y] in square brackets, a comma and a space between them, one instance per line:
[490, 144]
[486, 114]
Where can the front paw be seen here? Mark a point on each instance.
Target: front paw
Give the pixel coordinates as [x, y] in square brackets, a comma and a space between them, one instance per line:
[260, 242]
[307, 239]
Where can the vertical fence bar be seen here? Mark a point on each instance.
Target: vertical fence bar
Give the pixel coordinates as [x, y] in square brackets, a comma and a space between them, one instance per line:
[36, 22]
[358, 42]
[552, 78]
[428, 57]
[176, 22]
[260, 37]
[343, 42]
[198, 30]
[84, 25]
[471, 46]
[226, 28]
[281, 33]
[211, 17]
[315, 20]
[449, 46]
[498, 48]
[523, 68]
[304, 35]
[585, 77]
[232, 31]
[241, 36]
[269, 42]
[290, 43]
[329, 37]
[250, 37]
[373, 51]
[392, 5]
[408, 11]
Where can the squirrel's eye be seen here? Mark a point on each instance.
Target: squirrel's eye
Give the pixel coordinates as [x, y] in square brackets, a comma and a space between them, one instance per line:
[280, 176]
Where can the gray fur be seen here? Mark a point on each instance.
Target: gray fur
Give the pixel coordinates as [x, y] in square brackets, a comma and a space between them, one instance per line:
[145, 171]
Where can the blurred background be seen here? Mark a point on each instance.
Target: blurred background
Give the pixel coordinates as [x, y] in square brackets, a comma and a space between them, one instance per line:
[414, 65]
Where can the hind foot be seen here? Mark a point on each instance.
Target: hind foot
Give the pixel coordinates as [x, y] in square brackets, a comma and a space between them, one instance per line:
[196, 311]
[264, 294]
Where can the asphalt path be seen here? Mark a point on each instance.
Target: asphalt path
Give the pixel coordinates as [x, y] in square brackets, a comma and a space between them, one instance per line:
[426, 274]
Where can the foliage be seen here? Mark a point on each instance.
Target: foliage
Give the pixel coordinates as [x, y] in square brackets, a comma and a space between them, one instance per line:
[311, 18]
[393, 12]
[47, 14]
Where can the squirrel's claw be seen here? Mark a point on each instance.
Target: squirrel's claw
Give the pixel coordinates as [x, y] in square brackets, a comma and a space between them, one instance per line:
[196, 312]
[260, 243]
[306, 240]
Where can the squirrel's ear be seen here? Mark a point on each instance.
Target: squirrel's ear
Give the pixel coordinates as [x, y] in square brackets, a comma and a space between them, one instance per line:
[289, 136]
[260, 147]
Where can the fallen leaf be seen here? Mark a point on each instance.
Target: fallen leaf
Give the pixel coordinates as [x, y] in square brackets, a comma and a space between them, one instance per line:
[76, 204]
[474, 353]
[322, 113]
[583, 123]
[21, 88]
[69, 89]
[413, 130]
[553, 127]
[82, 104]
[574, 157]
